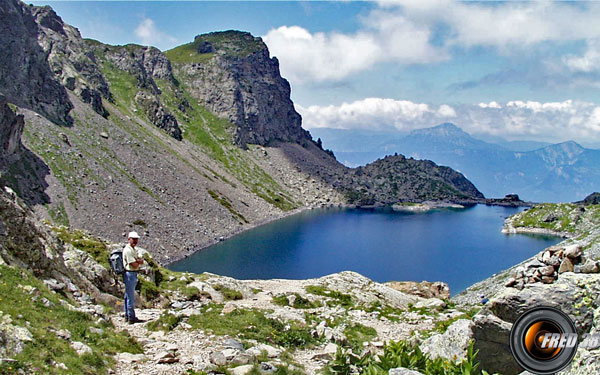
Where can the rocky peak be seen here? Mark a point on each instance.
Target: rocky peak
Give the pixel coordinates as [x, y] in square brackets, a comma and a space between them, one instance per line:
[231, 43]
[232, 74]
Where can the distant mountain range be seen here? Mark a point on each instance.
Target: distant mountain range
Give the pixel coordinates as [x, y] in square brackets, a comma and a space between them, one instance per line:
[536, 171]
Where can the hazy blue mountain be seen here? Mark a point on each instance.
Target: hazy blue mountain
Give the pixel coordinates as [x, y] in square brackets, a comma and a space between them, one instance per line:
[560, 172]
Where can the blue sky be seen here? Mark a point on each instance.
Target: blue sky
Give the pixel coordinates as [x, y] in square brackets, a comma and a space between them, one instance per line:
[520, 70]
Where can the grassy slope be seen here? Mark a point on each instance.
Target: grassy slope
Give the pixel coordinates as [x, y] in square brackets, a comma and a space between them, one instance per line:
[29, 303]
[213, 135]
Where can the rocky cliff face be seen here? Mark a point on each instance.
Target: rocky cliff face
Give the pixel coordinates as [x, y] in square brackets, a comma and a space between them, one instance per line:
[11, 128]
[232, 74]
[26, 76]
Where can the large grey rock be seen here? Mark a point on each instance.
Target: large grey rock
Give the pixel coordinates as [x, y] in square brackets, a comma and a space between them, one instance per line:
[572, 293]
[492, 337]
[12, 338]
[452, 344]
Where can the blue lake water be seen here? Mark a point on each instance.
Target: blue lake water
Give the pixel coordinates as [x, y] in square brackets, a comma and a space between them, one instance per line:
[459, 247]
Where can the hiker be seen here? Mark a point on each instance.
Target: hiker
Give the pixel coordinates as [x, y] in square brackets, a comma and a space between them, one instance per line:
[484, 299]
[131, 262]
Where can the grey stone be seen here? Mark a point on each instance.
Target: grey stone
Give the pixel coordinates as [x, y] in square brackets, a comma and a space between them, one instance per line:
[546, 271]
[242, 370]
[590, 267]
[80, 347]
[234, 344]
[566, 266]
[218, 358]
[573, 251]
[492, 340]
[452, 344]
[166, 357]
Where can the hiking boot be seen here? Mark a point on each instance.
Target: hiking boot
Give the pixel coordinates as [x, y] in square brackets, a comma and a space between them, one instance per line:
[135, 320]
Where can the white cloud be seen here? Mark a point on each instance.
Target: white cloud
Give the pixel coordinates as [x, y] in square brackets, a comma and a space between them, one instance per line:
[509, 23]
[491, 104]
[319, 57]
[423, 32]
[374, 113]
[514, 120]
[150, 35]
[588, 62]
[333, 56]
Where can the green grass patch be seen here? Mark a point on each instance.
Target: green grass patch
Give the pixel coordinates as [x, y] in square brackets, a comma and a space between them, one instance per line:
[59, 215]
[335, 298]
[166, 322]
[357, 334]
[552, 216]
[299, 303]
[252, 325]
[228, 294]
[27, 302]
[391, 313]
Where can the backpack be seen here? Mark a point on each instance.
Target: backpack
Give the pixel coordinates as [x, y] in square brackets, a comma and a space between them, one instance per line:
[116, 261]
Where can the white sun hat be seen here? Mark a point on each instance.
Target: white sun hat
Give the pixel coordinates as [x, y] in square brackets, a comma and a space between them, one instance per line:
[133, 235]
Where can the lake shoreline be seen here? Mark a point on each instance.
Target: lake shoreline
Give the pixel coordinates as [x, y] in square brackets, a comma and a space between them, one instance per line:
[317, 244]
[430, 205]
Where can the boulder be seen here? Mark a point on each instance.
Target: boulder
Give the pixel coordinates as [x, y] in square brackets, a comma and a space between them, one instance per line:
[430, 303]
[567, 293]
[590, 267]
[242, 370]
[573, 251]
[492, 336]
[566, 266]
[451, 344]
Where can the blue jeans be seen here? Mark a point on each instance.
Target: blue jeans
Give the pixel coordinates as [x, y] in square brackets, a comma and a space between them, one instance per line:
[130, 280]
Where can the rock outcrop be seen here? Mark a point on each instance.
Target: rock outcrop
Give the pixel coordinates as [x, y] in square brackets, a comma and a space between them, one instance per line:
[232, 74]
[26, 76]
[27, 243]
[423, 289]
[11, 128]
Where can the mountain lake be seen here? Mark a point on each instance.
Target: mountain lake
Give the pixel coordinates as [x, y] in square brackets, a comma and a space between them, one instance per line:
[458, 247]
